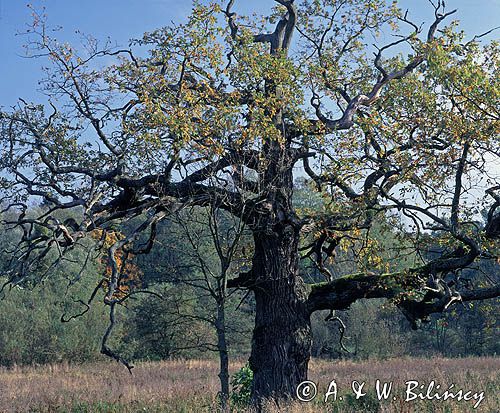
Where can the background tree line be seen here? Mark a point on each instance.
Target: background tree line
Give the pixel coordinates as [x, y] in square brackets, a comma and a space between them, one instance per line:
[48, 322]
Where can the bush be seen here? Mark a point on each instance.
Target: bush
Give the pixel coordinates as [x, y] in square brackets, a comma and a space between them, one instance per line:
[241, 381]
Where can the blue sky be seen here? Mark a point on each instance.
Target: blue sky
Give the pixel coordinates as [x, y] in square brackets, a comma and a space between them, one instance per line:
[125, 19]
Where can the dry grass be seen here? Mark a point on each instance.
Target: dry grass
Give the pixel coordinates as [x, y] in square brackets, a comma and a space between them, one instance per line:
[476, 374]
[53, 387]
[190, 386]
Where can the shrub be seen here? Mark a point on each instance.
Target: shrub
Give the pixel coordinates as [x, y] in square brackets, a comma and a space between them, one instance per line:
[241, 381]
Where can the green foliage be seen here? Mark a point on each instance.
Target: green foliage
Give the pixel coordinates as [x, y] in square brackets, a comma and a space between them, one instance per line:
[156, 329]
[31, 330]
[367, 403]
[241, 381]
[378, 330]
[152, 329]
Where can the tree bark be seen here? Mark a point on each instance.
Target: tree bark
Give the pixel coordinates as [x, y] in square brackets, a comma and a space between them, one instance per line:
[282, 340]
[223, 355]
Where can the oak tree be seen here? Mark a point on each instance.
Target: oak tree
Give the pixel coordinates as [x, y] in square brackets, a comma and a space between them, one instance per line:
[387, 117]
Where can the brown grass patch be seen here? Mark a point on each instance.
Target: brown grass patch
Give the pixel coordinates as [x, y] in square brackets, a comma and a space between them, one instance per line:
[191, 386]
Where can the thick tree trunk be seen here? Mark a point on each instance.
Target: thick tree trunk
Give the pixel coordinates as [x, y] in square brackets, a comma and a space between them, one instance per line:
[282, 339]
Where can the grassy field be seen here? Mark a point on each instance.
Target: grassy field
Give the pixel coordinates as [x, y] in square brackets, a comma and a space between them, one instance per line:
[190, 386]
